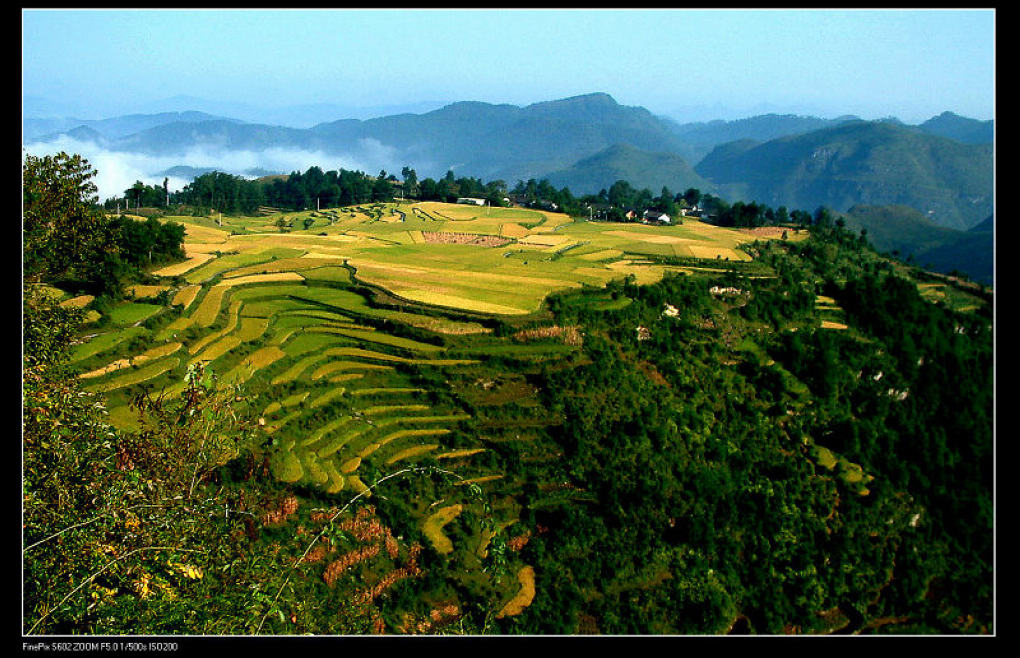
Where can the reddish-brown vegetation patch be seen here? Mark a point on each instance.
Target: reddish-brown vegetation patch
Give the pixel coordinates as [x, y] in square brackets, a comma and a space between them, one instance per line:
[347, 560]
[475, 239]
[569, 335]
[280, 512]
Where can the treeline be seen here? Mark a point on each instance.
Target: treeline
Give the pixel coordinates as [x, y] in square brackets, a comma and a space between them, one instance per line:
[315, 189]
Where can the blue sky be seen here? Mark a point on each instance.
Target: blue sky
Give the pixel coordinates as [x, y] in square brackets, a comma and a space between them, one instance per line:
[909, 64]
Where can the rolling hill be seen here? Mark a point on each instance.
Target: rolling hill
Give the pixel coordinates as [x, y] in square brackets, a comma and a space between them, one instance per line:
[640, 168]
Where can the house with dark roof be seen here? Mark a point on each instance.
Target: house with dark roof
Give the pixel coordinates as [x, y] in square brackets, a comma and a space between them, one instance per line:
[655, 216]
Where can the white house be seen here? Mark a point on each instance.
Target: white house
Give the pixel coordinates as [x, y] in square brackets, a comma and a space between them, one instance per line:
[471, 201]
[656, 216]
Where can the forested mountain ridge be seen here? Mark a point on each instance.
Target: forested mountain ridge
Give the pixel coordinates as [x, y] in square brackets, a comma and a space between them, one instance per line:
[701, 137]
[962, 129]
[869, 163]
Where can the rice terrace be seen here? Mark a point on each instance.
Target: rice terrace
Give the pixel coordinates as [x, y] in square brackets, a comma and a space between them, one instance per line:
[322, 317]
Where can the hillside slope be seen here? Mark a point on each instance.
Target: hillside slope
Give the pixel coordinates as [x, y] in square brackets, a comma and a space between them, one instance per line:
[911, 234]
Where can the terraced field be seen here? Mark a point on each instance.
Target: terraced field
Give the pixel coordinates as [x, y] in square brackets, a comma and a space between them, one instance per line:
[357, 342]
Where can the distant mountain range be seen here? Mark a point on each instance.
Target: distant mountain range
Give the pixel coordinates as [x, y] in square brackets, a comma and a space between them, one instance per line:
[942, 168]
[113, 128]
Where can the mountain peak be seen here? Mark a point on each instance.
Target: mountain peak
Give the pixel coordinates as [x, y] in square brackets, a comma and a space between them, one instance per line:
[595, 99]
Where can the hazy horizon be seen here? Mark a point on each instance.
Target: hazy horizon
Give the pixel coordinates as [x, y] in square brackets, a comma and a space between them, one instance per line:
[692, 65]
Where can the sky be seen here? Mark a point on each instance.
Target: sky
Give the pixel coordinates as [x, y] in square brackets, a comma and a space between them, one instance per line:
[692, 65]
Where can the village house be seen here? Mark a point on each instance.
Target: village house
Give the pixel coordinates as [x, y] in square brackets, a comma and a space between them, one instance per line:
[471, 201]
[655, 216]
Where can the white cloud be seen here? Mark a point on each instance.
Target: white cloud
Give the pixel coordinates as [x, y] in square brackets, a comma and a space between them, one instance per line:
[116, 171]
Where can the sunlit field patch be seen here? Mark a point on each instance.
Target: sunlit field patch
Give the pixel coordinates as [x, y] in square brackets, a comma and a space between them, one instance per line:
[185, 296]
[524, 597]
[119, 364]
[143, 374]
[433, 527]
[77, 302]
[413, 451]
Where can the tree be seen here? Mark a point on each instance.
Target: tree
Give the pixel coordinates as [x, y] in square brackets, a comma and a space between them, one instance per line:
[410, 182]
[66, 235]
[692, 196]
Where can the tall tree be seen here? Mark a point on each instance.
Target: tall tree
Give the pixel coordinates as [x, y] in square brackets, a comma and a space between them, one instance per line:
[65, 232]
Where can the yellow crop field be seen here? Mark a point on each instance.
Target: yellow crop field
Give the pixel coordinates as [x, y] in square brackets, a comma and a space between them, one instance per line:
[478, 480]
[709, 252]
[388, 409]
[524, 597]
[648, 237]
[252, 328]
[393, 436]
[544, 240]
[185, 296]
[205, 314]
[327, 397]
[336, 481]
[77, 302]
[272, 277]
[601, 254]
[119, 364]
[435, 298]
[252, 363]
[202, 249]
[138, 376]
[349, 376]
[453, 454]
[433, 527]
[145, 291]
[217, 349]
[281, 265]
[411, 452]
[511, 230]
[198, 234]
[232, 320]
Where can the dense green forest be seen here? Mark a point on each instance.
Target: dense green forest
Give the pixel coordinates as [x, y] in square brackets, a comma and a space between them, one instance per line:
[711, 458]
[711, 499]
